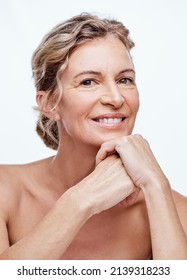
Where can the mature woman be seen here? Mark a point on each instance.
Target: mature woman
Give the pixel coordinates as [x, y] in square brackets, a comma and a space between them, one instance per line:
[103, 195]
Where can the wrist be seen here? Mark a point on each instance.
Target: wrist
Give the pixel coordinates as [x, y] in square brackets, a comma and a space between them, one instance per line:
[81, 205]
[155, 184]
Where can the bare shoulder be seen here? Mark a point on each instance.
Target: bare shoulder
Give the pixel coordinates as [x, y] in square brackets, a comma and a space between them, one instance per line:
[6, 170]
[10, 175]
[181, 205]
[14, 181]
[17, 178]
[180, 199]
[8, 190]
[10, 179]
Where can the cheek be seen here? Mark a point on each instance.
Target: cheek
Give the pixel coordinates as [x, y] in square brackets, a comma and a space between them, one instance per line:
[83, 103]
[134, 103]
[75, 107]
[137, 105]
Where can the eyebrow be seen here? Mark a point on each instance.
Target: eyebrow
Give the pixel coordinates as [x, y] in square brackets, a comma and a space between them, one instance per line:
[88, 72]
[91, 72]
[127, 70]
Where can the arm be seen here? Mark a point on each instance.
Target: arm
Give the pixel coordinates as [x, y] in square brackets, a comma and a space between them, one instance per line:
[106, 186]
[169, 240]
[51, 237]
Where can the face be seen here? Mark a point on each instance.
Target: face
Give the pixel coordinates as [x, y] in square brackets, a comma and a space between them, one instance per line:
[100, 98]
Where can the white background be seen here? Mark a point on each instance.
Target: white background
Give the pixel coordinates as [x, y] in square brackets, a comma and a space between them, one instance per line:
[40, 269]
[159, 29]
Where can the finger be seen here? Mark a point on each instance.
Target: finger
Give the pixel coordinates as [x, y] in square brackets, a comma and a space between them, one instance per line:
[106, 150]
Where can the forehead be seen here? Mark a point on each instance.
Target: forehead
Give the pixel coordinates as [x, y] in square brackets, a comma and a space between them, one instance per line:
[99, 54]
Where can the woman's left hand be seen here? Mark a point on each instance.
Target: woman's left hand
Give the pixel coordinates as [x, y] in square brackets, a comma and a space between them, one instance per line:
[143, 169]
[137, 158]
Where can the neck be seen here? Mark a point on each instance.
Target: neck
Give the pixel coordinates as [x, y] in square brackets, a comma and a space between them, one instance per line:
[71, 164]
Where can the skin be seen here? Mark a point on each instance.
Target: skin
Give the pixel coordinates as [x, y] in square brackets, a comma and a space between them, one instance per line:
[109, 199]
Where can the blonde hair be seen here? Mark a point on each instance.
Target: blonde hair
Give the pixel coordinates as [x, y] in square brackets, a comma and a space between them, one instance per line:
[51, 58]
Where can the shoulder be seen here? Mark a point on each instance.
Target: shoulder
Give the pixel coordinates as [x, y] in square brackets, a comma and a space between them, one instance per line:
[10, 178]
[8, 190]
[15, 179]
[181, 205]
[180, 200]
[10, 174]
[13, 183]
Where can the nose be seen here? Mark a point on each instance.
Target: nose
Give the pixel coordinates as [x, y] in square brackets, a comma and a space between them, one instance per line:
[112, 96]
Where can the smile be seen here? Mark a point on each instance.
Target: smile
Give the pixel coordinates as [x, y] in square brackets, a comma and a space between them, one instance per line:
[114, 121]
[110, 120]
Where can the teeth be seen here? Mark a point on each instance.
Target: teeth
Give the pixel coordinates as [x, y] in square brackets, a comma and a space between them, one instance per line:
[110, 120]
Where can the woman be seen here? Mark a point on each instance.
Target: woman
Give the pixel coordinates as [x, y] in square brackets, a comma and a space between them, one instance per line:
[103, 195]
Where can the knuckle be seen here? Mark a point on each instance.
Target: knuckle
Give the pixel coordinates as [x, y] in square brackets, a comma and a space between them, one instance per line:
[103, 144]
[122, 141]
[138, 136]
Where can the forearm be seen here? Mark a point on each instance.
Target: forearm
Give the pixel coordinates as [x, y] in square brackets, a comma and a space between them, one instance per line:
[169, 240]
[52, 236]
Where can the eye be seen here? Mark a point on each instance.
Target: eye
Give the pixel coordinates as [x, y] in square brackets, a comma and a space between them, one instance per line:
[88, 82]
[126, 81]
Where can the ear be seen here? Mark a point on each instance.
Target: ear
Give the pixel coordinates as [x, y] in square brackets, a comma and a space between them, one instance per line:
[46, 107]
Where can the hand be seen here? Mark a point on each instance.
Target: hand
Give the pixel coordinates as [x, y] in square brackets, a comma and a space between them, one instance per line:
[137, 157]
[106, 186]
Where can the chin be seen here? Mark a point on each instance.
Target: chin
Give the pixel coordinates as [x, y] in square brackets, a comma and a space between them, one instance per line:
[99, 141]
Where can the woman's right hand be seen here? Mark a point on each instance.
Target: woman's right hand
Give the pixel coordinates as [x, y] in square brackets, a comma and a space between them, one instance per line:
[106, 186]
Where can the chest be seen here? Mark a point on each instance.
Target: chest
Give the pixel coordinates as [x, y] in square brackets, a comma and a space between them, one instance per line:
[109, 249]
[119, 233]
[123, 237]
